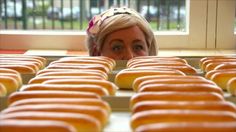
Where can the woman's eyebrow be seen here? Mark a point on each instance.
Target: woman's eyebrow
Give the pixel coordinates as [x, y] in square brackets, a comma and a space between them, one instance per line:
[138, 40]
[115, 40]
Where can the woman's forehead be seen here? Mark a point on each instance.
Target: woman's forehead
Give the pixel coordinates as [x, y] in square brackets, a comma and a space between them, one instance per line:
[130, 33]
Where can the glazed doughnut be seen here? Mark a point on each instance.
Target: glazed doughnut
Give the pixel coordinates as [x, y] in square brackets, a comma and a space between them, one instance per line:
[12, 125]
[5, 70]
[222, 78]
[175, 81]
[20, 68]
[181, 88]
[209, 74]
[12, 74]
[96, 58]
[109, 86]
[184, 105]
[49, 94]
[185, 69]
[124, 78]
[9, 83]
[174, 96]
[41, 79]
[190, 126]
[220, 65]
[205, 63]
[15, 76]
[80, 101]
[154, 58]
[165, 63]
[79, 88]
[139, 63]
[80, 73]
[81, 122]
[139, 80]
[3, 90]
[108, 59]
[211, 66]
[27, 57]
[213, 58]
[36, 66]
[32, 66]
[231, 86]
[100, 114]
[178, 116]
[69, 70]
[25, 60]
[83, 61]
[79, 67]
[226, 66]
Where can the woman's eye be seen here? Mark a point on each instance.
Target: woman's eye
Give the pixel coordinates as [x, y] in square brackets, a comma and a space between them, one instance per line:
[117, 47]
[138, 47]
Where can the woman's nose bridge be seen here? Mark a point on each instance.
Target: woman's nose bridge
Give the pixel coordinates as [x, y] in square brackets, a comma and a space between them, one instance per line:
[129, 53]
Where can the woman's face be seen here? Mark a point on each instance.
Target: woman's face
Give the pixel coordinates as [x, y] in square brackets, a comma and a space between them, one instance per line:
[125, 44]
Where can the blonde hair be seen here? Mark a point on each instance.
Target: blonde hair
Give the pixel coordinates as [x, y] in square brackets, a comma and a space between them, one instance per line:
[122, 21]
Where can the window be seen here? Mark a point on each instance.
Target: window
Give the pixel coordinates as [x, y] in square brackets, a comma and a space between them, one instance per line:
[204, 24]
[75, 14]
[225, 37]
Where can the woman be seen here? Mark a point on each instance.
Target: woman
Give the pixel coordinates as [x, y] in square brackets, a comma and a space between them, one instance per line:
[121, 34]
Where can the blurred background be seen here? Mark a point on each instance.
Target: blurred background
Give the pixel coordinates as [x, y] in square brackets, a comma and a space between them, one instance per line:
[75, 14]
[177, 24]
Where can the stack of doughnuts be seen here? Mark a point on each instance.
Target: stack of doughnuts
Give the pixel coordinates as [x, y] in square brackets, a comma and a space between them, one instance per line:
[85, 111]
[166, 102]
[210, 63]
[101, 63]
[67, 91]
[22, 63]
[160, 83]
[12, 67]
[221, 70]
[124, 79]
[190, 126]
[86, 74]
[13, 125]
[10, 81]
[152, 65]
[162, 62]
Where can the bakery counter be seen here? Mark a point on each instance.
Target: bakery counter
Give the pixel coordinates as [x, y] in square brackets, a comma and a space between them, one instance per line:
[120, 117]
[120, 64]
[121, 95]
[121, 114]
[119, 102]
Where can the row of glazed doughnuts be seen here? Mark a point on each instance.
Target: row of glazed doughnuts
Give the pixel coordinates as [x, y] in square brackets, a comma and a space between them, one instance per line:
[177, 103]
[23, 64]
[10, 81]
[152, 65]
[83, 111]
[221, 70]
[68, 91]
[11, 69]
[175, 63]
[87, 74]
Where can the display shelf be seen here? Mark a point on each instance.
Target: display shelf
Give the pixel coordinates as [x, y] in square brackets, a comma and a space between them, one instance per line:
[120, 117]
